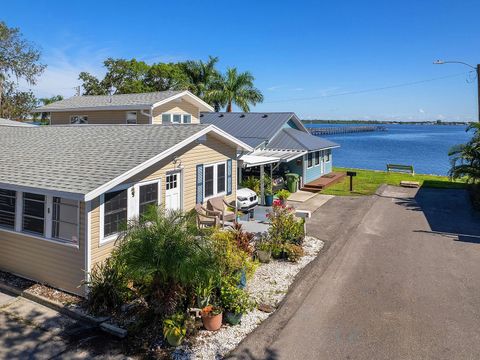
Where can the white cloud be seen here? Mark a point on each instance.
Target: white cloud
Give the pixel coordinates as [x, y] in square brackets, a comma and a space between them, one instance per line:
[421, 111]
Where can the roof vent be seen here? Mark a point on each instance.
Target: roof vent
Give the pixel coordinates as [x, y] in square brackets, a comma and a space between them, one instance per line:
[264, 115]
[221, 115]
[201, 115]
[243, 115]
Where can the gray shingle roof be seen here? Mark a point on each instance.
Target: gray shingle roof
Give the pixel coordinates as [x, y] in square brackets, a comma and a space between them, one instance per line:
[79, 159]
[142, 100]
[252, 128]
[298, 140]
[7, 122]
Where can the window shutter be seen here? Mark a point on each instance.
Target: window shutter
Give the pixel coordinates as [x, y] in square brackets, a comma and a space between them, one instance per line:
[229, 176]
[200, 184]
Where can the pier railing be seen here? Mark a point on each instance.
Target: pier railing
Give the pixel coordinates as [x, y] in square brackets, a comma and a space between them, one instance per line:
[345, 129]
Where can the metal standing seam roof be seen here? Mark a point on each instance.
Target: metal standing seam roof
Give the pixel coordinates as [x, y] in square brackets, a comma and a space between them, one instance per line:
[298, 140]
[79, 159]
[99, 101]
[8, 122]
[252, 128]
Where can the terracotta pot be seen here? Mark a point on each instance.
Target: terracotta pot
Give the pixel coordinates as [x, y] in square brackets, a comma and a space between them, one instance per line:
[212, 323]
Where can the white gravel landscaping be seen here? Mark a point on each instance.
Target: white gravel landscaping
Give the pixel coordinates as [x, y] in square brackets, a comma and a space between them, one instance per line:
[269, 285]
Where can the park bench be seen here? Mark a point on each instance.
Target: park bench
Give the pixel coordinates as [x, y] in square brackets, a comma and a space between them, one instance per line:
[407, 169]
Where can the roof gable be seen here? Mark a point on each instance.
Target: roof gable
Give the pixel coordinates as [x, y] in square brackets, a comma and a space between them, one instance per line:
[122, 101]
[253, 128]
[289, 138]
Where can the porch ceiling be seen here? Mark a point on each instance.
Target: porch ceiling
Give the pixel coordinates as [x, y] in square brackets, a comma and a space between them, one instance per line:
[280, 155]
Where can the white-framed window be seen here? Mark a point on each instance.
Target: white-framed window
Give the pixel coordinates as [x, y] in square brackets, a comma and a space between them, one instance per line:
[43, 217]
[33, 214]
[79, 119]
[309, 160]
[317, 158]
[328, 155]
[65, 220]
[114, 213]
[214, 180]
[8, 200]
[176, 118]
[131, 117]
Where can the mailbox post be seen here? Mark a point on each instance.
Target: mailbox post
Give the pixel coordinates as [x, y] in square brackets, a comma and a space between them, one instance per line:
[351, 174]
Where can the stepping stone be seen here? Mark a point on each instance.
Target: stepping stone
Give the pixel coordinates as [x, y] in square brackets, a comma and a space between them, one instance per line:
[265, 308]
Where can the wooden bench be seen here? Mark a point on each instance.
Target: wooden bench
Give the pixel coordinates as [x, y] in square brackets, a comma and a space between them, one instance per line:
[407, 169]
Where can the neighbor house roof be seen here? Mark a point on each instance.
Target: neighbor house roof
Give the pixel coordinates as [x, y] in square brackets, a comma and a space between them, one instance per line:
[7, 122]
[252, 128]
[87, 160]
[293, 139]
[121, 101]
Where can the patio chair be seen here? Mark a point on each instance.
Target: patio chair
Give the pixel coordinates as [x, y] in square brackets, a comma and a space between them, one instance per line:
[219, 205]
[206, 218]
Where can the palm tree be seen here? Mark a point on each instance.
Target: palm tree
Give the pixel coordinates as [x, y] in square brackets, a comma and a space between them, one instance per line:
[201, 75]
[465, 158]
[235, 88]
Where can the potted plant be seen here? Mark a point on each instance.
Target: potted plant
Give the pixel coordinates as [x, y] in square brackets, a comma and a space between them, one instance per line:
[263, 249]
[211, 317]
[235, 301]
[174, 329]
[283, 196]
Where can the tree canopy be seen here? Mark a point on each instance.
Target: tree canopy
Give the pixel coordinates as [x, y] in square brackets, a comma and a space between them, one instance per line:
[19, 59]
[201, 78]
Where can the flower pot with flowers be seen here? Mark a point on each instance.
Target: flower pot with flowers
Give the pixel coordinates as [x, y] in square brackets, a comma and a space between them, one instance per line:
[211, 317]
[283, 195]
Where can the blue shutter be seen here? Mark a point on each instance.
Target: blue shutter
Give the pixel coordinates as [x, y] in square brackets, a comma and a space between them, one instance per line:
[200, 184]
[229, 176]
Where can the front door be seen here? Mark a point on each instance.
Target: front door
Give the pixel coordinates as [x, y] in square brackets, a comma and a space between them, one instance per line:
[172, 191]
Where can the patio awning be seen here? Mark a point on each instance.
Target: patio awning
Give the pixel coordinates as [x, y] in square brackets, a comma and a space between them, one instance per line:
[255, 160]
[280, 155]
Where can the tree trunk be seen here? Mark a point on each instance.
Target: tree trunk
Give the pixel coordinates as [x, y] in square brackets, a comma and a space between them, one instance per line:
[229, 107]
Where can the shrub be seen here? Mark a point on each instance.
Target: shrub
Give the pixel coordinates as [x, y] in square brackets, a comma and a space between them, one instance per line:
[293, 252]
[108, 288]
[234, 299]
[252, 183]
[285, 226]
[175, 326]
[283, 194]
[242, 238]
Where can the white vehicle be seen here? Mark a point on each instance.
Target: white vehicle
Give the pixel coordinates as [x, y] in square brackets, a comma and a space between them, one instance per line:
[246, 199]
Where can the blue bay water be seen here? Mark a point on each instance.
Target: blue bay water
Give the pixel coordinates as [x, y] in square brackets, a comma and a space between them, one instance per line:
[423, 146]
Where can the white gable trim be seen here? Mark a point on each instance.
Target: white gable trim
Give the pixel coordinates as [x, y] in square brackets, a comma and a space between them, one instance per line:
[202, 104]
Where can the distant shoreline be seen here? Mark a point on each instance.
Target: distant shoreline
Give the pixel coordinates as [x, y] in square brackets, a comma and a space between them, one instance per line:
[385, 122]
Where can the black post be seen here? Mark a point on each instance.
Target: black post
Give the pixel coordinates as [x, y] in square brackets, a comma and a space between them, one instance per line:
[351, 183]
[478, 90]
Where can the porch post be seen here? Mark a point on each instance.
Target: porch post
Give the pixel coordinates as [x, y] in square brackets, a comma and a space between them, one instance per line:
[271, 179]
[262, 184]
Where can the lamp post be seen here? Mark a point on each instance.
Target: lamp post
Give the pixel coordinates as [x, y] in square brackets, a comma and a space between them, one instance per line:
[476, 68]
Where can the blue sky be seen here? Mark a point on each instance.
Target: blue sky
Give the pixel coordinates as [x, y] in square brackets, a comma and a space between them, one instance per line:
[302, 53]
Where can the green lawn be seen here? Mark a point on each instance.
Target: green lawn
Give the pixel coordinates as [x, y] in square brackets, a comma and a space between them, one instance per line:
[367, 181]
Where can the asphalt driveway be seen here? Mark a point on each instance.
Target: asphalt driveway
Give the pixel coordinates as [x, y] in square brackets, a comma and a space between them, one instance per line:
[400, 280]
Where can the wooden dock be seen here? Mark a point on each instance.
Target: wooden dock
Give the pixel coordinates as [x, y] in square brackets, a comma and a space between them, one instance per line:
[334, 130]
[323, 182]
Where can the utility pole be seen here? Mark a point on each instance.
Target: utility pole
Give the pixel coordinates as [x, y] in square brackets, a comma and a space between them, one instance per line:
[476, 68]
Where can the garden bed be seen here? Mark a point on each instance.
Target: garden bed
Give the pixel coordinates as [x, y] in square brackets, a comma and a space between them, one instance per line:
[268, 286]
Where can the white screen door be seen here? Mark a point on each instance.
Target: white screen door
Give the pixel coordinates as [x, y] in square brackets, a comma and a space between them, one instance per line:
[172, 191]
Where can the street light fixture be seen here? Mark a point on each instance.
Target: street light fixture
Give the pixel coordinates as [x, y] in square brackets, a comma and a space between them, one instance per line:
[476, 68]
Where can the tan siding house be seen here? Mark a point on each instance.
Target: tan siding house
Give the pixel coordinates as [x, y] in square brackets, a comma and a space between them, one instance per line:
[163, 107]
[59, 218]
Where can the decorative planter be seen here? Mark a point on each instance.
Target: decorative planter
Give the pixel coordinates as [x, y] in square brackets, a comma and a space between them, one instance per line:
[264, 256]
[268, 200]
[212, 322]
[232, 318]
[174, 340]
